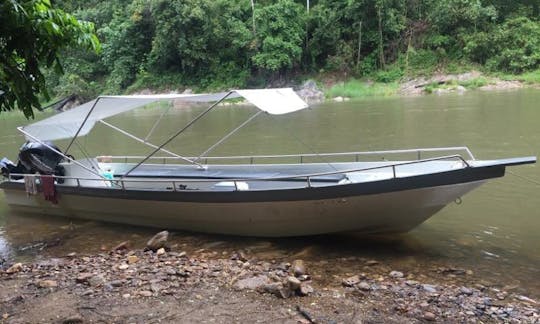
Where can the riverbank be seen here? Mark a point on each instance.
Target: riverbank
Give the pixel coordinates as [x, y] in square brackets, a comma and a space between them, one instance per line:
[168, 284]
[341, 89]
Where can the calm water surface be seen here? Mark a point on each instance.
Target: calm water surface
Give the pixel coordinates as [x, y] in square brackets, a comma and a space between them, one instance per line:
[494, 232]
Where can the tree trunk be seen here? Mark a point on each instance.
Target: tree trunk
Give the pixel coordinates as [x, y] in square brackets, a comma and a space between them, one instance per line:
[381, 51]
[253, 15]
[359, 45]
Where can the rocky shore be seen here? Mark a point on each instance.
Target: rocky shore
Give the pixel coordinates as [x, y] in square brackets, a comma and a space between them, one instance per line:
[162, 284]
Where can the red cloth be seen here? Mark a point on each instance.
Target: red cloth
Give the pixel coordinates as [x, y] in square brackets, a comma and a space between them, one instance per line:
[49, 190]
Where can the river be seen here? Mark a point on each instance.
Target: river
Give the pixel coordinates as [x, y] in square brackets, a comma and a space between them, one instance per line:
[494, 232]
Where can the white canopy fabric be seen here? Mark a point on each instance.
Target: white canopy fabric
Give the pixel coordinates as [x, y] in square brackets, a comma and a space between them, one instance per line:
[65, 124]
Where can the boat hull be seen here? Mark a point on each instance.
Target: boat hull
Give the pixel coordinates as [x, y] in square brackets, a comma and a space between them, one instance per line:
[391, 212]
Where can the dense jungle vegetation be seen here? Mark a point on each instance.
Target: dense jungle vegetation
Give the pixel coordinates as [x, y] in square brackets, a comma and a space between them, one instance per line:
[215, 44]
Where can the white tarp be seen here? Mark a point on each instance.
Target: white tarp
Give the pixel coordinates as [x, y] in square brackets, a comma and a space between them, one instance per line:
[65, 124]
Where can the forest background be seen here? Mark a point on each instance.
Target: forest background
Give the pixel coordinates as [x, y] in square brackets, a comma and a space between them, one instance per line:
[207, 45]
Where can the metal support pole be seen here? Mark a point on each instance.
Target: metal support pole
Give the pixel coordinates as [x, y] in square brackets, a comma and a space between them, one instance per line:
[60, 153]
[227, 136]
[156, 123]
[178, 133]
[147, 143]
[80, 128]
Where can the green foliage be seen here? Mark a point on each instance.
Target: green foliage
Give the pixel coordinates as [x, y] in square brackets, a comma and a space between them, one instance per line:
[513, 46]
[280, 30]
[215, 44]
[359, 89]
[474, 83]
[388, 76]
[532, 77]
[32, 33]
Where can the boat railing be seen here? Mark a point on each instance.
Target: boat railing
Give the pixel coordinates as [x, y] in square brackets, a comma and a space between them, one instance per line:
[418, 154]
[309, 178]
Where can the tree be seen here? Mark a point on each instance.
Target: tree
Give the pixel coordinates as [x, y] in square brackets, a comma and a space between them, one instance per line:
[32, 34]
[280, 28]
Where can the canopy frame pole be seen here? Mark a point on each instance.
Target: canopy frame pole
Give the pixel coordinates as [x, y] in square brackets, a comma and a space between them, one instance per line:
[145, 142]
[156, 123]
[82, 125]
[227, 136]
[193, 121]
[60, 153]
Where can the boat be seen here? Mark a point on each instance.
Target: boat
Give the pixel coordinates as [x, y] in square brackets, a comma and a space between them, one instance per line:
[372, 192]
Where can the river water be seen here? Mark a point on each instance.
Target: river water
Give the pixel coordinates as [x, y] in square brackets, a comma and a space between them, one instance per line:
[494, 232]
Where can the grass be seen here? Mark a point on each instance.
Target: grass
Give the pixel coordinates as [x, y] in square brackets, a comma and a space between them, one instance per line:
[474, 83]
[359, 89]
[532, 77]
[470, 84]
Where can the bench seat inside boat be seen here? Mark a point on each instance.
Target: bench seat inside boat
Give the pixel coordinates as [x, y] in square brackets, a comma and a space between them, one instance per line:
[161, 172]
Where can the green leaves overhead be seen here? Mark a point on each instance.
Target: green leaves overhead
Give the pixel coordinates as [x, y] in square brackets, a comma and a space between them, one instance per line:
[32, 33]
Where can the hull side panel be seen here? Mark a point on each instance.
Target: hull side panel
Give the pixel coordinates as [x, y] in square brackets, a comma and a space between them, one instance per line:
[389, 212]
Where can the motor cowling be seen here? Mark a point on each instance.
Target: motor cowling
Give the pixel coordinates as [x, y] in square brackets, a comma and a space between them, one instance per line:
[38, 157]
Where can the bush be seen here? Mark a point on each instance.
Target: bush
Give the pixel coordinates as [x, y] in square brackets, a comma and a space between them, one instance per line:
[512, 47]
[387, 76]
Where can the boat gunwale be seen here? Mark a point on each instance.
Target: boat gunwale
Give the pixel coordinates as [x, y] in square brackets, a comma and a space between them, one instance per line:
[337, 191]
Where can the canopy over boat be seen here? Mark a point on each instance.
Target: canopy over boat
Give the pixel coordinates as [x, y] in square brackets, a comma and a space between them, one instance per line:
[67, 124]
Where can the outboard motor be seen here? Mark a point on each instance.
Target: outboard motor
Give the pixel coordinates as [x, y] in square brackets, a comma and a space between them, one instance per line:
[34, 157]
[37, 157]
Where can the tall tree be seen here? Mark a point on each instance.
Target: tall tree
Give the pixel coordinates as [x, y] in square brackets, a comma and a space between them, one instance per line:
[32, 34]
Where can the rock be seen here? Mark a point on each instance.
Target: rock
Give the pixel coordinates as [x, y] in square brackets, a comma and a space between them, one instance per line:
[526, 299]
[293, 283]
[252, 283]
[73, 320]
[96, 281]
[126, 296]
[83, 277]
[145, 293]
[429, 288]
[466, 291]
[123, 266]
[122, 246]
[339, 99]
[132, 259]
[158, 241]
[310, 92]
[14, 268]
[364, 286]
[47, 284]
[276, 288]
[411, 283]
[429, 316]
[160, 251]
[396, 274]
[87, 292]
[116, 283]
[371, 262]
[460, 89]
[305, 289]
[351, 281]
[298, 268]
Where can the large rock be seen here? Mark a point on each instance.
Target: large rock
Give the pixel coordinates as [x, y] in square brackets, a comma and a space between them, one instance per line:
[310, 92]
[252, 283]
[298, 268]
[14, 268]
[158, 241]
[47, 284]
